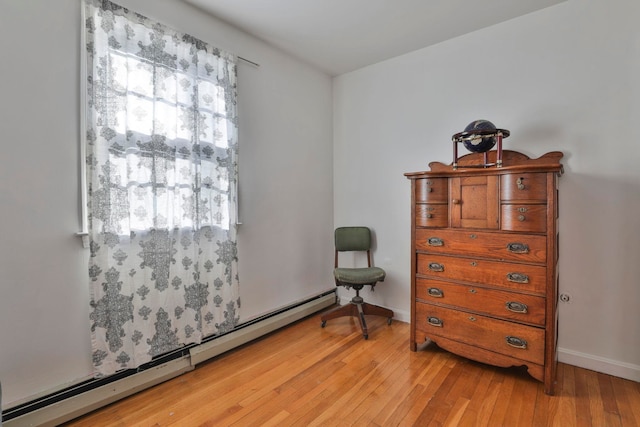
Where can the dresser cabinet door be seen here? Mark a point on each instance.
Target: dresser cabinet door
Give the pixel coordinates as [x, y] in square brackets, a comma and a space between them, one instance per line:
[474, 202]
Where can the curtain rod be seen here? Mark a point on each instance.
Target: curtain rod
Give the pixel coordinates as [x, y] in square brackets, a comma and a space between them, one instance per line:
[250, 62]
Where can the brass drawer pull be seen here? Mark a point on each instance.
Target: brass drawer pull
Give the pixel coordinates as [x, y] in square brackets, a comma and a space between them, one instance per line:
[518, 248]
[522, 211]
[435, 241]
[517, 277]
[434, 266]
[516, 307]
[520, 184]
[516, 342]
[435, 292]
[434, 321]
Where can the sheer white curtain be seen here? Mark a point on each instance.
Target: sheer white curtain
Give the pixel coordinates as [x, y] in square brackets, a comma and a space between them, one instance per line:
[161, 175]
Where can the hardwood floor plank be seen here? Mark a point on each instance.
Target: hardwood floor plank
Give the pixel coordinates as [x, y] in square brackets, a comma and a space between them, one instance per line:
[305, 375]
[489, 401]
[389, 394]
[481, 401]
[526, 392]
[627, 397]
[356, 402]
[440, 405]
[398, 417]
[596, 405]
[501, 406]
[610, 407]
[456, 413]
[582, 396]
[432, 383]
[566, 411]
[276, 420]
[543, 406]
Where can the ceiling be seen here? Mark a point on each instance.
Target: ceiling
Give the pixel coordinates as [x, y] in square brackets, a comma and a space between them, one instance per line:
[339, 36]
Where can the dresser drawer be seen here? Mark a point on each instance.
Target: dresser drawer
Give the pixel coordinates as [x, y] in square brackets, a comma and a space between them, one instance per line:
[523, 187]
[502, 246]
[511, 339]
[432, 215]
[432, 190]
[520, 277]
[495, 303]
[526, 218]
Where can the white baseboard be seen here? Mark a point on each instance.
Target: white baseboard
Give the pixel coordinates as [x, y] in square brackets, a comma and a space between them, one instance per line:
[81, 404]
[399, 315]
[604, 365]
[607, 366]
[220, 345]
[68, 409]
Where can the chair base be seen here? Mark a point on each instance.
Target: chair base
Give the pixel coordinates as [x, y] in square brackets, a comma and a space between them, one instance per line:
[357, 308]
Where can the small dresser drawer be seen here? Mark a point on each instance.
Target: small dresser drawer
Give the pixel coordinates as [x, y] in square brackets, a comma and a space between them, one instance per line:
[502, 246]
[511, 339]
[523, 187]
[506, 275]
[432, 215]
[432, 190]
[526, 218]
[495, 303]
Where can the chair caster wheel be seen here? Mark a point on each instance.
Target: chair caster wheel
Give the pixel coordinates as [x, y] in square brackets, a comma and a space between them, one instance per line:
[323, 324]
[389, 320]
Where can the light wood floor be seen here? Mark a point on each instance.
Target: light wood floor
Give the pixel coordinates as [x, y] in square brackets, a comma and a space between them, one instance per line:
[305, 375]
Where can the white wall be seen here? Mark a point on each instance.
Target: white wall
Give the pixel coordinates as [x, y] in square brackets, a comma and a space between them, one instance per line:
[285, 244]
[564, 78]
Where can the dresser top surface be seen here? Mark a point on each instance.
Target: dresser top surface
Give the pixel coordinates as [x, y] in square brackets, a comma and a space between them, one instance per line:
[512, 161]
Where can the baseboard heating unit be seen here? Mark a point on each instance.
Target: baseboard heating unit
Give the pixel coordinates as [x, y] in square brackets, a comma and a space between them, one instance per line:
[90, 395]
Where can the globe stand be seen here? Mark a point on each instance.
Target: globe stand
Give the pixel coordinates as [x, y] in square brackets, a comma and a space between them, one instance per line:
[498, 134]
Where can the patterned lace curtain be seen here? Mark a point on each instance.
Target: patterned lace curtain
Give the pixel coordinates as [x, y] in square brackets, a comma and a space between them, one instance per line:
[161, 177]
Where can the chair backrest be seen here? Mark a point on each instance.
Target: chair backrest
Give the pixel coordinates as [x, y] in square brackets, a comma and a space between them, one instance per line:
[353, 239]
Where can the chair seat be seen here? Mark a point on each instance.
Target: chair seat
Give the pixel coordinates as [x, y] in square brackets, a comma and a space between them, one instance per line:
[359, 276]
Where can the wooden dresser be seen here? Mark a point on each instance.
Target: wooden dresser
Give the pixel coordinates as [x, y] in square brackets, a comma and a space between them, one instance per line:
[484, 254]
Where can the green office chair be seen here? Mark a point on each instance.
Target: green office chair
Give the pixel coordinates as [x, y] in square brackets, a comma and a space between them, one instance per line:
[348, 239]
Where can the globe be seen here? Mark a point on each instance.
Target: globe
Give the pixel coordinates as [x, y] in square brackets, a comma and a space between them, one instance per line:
[478, 143]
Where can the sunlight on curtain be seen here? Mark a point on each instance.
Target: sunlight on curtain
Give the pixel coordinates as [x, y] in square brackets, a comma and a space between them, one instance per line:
[161, 173]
